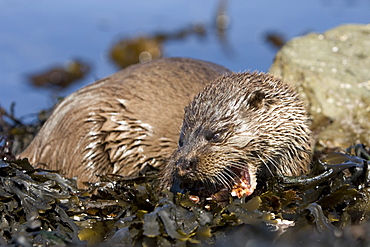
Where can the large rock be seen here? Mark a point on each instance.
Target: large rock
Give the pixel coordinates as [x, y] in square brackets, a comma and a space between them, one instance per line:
[332, 73]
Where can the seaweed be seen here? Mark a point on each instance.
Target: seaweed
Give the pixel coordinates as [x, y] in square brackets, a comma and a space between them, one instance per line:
[35, 203]
[328, 206]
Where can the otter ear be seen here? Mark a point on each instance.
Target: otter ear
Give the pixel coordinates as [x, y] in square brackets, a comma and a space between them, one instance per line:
[256, 99]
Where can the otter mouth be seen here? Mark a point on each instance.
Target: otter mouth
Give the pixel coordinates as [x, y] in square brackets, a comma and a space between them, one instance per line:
[243, 183]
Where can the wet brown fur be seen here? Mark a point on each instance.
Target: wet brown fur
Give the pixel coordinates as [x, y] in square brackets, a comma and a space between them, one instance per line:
[123, 122]
[243, 121]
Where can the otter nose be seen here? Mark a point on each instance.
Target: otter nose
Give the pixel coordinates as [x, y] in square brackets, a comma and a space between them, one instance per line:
[186, 166]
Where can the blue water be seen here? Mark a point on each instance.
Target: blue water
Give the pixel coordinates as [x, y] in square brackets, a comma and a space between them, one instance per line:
[37, 34]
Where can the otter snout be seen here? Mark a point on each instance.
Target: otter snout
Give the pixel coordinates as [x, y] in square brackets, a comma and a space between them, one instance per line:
[185, 173]
[186, 167]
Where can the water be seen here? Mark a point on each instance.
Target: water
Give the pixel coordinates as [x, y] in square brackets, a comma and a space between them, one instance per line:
[37, 34]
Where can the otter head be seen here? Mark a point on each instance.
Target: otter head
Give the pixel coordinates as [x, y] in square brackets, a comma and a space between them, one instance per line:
[239, 125]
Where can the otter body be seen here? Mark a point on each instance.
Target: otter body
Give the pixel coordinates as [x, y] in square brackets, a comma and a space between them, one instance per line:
[239, 126]
[121, 123]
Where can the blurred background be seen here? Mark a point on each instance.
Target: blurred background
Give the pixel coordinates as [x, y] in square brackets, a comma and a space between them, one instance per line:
[49, 49]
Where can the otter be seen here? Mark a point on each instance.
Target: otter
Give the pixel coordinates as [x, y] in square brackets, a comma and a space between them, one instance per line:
[121, 123]
[241, 126]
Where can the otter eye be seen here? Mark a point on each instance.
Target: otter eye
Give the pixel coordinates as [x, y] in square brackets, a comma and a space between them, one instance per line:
[181, 140]
[212, 136]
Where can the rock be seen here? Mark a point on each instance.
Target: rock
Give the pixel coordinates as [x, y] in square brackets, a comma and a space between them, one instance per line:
[331, 71]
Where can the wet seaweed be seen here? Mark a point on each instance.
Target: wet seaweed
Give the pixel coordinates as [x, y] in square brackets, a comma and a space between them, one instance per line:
[41, 207]
[35, 203]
